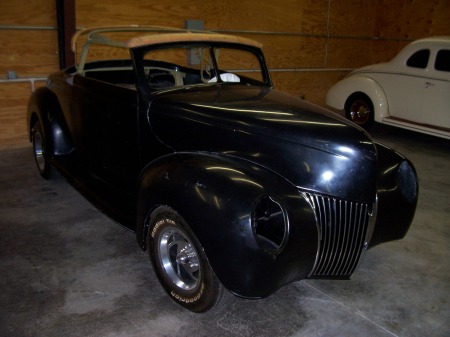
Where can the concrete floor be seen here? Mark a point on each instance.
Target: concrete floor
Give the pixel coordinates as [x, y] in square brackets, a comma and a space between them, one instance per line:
[67, 270]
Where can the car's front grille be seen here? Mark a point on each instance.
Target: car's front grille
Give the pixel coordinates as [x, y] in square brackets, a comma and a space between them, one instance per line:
[342, 227]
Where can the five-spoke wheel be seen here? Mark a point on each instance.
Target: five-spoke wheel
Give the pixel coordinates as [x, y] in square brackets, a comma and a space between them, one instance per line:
[179, 258]
[180, 262]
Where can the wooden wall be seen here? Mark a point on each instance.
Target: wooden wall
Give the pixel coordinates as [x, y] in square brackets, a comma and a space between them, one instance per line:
[309, 44]
[29, 47]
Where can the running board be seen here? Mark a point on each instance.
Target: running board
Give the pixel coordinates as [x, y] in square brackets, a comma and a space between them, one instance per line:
[417, 127]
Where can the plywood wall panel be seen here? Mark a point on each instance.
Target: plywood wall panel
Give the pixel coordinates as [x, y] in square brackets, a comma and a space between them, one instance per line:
[257, 15]
[12, 127]
[310, 85]
[290, 51]
[440, 18]
[161, 13]
[351, 18]
[406, 19]
[28, 12]
[387, 19]
[254, 15]
[355, 53]
[28, 52]
[348, 53]
[314, 19]
[13, 107]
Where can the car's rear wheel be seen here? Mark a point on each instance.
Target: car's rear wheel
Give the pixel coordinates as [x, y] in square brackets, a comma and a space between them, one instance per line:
[180, 262]
[359, 109]
[41, 151]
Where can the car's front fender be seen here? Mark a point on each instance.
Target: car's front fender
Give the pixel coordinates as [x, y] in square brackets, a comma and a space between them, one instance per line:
[398, 192]
[342, 90]
[216, 196]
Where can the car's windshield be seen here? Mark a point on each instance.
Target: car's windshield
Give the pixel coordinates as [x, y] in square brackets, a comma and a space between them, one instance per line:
[175, 66]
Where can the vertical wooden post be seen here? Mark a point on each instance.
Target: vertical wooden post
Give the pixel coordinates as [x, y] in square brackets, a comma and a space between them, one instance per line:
[66, 28]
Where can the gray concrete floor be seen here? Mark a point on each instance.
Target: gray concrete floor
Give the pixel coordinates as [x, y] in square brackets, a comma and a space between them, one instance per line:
[67, 270]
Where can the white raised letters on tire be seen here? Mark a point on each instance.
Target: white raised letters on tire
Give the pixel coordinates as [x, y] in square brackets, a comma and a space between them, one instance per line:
[186, 299]
[159, 223]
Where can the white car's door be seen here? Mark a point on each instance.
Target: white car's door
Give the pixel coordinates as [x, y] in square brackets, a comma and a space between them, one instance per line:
[436, 93]
[405, 88]
[404, 95]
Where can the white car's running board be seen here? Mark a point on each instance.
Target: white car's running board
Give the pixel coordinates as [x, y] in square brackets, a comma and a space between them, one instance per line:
[423, 128]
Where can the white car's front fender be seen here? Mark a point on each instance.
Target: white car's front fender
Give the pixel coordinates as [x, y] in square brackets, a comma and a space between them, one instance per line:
[342, 90]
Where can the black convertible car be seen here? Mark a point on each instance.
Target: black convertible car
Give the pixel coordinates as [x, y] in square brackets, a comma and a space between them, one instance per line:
[229, 184]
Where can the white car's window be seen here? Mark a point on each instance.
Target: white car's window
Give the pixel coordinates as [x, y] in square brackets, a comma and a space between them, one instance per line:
[419, 59]
[442, 60]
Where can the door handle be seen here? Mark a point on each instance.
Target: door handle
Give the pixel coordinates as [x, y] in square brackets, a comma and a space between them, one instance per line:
[429, 84]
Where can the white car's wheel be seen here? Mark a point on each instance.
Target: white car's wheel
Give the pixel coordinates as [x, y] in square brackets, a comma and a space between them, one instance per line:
[359, 109]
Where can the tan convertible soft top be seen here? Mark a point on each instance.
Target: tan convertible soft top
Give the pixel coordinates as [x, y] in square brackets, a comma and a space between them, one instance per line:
[155, 34]
[189, 36]
[149, 35]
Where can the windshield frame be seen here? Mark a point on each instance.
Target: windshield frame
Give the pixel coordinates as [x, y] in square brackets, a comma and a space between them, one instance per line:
[138, 55]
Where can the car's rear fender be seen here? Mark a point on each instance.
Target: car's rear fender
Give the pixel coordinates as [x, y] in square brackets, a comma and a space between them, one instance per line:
[43, 105]
[342, 90]
[216, 196]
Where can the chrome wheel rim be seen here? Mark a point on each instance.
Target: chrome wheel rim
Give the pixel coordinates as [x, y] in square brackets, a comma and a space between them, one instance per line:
[179, 259]
[359, 112]
[39, 151]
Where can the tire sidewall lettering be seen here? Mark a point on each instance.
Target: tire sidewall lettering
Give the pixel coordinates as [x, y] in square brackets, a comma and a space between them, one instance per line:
[188, 300]
[159, 223]
[154, 233]
[208, 290]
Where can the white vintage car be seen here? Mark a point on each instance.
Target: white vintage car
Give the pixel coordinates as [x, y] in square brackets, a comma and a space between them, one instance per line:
[412, 91]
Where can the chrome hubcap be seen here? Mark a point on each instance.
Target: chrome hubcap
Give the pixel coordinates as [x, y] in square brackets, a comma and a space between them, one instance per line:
[359, 112]
[39, 151]
[179, 259]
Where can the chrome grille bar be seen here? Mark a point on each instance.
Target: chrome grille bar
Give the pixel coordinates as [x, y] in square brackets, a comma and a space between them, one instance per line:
[342, 227]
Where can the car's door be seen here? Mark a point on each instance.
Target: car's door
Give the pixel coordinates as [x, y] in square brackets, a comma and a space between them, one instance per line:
[435, 108]
[106, 130]
[404, 88]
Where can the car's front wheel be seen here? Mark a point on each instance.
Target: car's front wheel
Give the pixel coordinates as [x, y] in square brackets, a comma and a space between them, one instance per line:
[180, 262]
[359, 109]
[41, 151]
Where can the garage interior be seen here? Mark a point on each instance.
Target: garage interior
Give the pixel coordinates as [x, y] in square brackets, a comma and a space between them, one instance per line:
[67, 270]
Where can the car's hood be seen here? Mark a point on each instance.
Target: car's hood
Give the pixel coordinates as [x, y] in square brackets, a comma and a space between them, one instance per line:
[311, 147]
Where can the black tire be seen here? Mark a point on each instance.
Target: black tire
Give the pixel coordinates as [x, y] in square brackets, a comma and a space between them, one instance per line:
[359, 109]
[41, 151]
[180, 262]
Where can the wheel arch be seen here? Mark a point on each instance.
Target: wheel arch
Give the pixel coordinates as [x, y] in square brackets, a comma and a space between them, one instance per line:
[43, 105]
[338, 96]
[216, 196]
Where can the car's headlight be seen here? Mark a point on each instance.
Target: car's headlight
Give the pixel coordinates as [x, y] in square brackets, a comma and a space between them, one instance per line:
[407, 181]
[270, 224]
